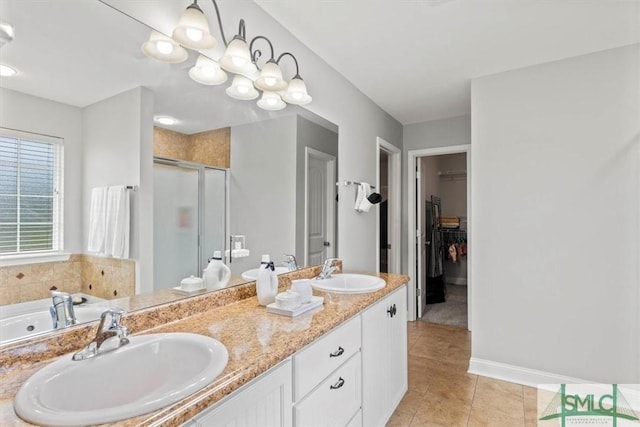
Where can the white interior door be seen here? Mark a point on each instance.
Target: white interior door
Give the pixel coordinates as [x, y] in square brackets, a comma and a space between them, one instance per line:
[421, 291]
[392, 194]
[319, 207]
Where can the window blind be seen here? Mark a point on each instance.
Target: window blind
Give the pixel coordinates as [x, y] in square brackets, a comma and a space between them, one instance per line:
[31, 192]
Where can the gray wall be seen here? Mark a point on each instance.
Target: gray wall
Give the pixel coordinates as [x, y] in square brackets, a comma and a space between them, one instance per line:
[555, 196]
[28, 113]
[117, 147]
[359, 121]
[263, 189]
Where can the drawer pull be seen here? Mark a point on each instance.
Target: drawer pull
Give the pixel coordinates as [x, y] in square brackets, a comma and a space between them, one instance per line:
[338, 384]
[337, 353]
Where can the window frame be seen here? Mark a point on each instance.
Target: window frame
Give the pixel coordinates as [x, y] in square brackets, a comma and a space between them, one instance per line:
[56, 253]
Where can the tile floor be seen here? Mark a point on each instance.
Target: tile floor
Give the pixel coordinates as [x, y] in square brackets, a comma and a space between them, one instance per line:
[442, 393]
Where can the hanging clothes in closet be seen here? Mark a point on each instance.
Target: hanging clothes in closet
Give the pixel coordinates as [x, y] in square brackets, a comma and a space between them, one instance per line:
[456, 243]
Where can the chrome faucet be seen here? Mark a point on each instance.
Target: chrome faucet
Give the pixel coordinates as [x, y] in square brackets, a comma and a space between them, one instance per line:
[62, 314]
[290, 262]
[109, 327]
[328, 268]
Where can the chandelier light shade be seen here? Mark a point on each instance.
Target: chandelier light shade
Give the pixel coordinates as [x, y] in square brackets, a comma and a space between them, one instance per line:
[297, 92]
[207, 72]
[237, 58]
[271, 77]
[193, 29]
[164, 48]
[271, 101]
[240, 58]
[242, 88]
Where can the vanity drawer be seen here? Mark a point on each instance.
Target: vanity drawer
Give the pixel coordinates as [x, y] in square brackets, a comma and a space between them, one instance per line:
[314, 363]
[335, 401]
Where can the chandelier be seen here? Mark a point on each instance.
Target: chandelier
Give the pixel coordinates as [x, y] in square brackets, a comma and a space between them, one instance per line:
[239, 58]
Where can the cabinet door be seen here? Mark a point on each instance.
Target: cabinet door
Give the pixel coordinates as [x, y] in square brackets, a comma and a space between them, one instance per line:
[384, 358]
[397, 350]
[263, 403]
[374, 363]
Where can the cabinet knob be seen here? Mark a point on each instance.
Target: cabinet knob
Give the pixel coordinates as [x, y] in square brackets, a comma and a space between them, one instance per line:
[392, 310]
[337, 353]
[338, 384]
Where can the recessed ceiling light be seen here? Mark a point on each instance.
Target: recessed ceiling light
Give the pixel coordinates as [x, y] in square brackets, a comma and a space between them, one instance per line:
[6, 71]
[165, 120]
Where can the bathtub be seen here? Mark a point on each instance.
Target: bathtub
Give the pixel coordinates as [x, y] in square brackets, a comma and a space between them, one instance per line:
[33, 317]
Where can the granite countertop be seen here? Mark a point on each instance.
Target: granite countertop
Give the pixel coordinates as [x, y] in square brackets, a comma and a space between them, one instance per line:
[255, 339]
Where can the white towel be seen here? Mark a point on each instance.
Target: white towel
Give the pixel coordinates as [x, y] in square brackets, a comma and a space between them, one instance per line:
[365, 204]
[360, 195]
[97, 219]
[117, 222]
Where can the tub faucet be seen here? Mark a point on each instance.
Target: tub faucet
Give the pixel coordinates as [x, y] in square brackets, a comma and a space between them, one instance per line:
[290, 262]
[109, 327]
[328, 268]
[62, 314]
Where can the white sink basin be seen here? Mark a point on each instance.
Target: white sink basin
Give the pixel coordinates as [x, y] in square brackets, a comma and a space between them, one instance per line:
[348, 283]
[24, 325]
[150, 373]
[253, 273]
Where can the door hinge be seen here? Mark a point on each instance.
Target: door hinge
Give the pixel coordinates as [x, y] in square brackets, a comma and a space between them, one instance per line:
[419, 292]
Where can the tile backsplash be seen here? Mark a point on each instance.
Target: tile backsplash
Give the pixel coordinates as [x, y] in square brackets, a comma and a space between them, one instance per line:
[101, 277]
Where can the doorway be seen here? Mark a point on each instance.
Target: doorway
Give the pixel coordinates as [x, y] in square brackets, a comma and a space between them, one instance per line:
[388, 214]
[439, 240]
[320, 209]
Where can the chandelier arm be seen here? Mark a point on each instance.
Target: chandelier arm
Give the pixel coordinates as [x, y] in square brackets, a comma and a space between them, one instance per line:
[264, 38]
[294, 60]
[215, 5]
[256, 55]
[242, 31]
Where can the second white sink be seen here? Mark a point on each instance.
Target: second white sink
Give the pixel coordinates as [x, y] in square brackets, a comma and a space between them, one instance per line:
[151, 372]
[348, 283]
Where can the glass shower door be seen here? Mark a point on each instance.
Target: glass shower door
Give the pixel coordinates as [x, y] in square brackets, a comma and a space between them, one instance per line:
[214, 223]
[175, 224]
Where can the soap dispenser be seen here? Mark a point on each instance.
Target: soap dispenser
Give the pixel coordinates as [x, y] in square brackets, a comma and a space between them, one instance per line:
[267, 282]
[217, 274]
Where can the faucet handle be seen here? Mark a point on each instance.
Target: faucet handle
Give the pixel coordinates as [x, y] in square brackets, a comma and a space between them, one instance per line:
[291, 262]
[115, 315]
[329, 262]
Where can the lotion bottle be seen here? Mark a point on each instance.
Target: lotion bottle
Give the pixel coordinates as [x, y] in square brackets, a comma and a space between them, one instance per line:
[217, 274]
[267, 282]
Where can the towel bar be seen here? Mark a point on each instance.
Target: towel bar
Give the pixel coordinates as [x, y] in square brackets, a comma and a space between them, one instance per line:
[353, 183]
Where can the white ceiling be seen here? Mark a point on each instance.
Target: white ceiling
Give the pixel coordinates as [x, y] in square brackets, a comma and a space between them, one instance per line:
[416, 58]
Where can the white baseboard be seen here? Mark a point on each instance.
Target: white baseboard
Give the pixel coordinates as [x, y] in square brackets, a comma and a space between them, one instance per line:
[457, 280]
[518, 374]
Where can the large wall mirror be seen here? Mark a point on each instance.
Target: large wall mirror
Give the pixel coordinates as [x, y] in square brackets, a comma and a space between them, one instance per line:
[277, 189]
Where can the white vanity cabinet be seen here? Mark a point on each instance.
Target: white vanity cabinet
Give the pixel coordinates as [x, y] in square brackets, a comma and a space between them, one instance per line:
[266, 401]
[327, 378]
[384, 357]
[353, 376]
